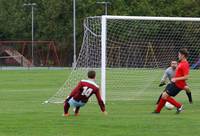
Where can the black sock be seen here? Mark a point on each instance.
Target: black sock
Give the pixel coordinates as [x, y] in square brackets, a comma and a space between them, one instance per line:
[189, 95]
[159, 98]
[66, 107]
[77, 110]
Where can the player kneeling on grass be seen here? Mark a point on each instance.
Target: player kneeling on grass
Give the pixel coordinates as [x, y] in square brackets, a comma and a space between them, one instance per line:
[170, 73]
[177, 84]
[80, 95]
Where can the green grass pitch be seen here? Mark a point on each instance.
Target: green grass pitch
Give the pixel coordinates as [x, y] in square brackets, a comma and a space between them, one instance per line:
[23, 114]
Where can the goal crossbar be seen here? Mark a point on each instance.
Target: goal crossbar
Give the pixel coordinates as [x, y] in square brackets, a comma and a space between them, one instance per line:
[151, 18]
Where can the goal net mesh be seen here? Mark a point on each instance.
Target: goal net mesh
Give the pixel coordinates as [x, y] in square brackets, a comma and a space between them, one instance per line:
[136, 53]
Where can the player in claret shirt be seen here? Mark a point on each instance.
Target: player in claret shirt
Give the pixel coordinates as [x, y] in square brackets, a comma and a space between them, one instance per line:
[81, 93]
[177, 84]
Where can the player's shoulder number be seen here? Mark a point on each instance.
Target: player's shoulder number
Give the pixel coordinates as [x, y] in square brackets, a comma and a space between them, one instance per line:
[86, 91]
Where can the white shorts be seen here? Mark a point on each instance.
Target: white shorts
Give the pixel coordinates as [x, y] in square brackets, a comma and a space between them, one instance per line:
[75, 103]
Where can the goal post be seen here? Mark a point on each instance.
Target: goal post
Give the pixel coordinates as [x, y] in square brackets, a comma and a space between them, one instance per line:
[129, 53]
[103, 58]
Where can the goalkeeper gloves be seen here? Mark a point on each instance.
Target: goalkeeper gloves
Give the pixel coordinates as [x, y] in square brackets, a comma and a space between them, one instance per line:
[161, 84]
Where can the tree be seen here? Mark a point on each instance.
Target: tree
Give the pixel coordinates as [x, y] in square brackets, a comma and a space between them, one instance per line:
[53, 18]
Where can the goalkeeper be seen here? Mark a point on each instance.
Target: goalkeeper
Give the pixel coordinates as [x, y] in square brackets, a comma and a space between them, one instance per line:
[169, 74]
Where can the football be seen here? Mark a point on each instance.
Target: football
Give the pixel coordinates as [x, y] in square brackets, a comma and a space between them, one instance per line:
[169, 106]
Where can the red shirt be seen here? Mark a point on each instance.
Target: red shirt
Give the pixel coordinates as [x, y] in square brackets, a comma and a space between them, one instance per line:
[84, 90]
[182, 70]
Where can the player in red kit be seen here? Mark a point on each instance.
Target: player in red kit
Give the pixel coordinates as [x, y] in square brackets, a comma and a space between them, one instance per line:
[81, 94]
[177, 84]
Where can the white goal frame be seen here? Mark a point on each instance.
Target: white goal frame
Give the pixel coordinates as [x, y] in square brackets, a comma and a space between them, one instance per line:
[104, 39]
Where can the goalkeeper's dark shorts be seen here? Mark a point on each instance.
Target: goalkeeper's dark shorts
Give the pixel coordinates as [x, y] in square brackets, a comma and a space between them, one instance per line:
[172, 90]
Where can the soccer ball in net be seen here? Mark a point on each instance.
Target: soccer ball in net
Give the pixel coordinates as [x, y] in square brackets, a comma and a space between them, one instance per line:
[169, 106]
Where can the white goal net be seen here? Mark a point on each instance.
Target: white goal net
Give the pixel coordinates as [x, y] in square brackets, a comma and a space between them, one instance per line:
[129, 53]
